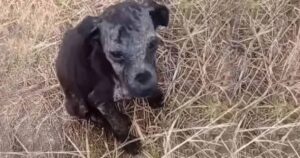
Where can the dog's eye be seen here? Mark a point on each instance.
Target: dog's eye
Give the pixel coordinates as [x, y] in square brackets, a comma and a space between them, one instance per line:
[117, 55]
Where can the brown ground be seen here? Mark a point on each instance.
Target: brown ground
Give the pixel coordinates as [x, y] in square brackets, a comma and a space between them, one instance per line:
[230, 69]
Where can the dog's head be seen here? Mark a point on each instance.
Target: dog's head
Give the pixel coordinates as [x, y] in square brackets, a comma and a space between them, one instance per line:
[127, 35]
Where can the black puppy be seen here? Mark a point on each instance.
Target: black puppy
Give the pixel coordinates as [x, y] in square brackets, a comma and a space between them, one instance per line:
[112, 57]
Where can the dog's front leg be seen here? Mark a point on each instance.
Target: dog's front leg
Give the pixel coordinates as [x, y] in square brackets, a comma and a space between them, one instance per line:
[120, 123]
[157, 99]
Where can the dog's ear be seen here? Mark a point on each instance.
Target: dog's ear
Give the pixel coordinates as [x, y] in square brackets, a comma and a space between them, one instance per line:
[89, 28]
[94, 34]
[159, 13]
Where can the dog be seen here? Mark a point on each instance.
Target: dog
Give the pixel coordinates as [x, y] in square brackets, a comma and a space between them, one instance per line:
[108, 58]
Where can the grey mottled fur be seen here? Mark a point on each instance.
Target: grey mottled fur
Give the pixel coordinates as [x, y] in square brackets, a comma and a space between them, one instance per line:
[131, 40]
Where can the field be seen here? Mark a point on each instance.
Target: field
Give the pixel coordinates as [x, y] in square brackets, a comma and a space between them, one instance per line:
[230, 70]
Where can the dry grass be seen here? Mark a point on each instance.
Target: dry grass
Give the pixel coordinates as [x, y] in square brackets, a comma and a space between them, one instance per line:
[230, 69]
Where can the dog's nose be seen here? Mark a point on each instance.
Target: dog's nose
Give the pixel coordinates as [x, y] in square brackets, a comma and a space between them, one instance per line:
[143, 78]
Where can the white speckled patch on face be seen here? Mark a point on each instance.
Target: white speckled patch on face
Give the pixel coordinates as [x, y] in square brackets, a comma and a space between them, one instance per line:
[127, 38]
[130, 35]
[120, 91]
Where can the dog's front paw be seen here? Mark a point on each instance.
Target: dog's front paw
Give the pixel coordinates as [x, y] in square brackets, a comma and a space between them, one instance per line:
[157, 100]
[133, 147]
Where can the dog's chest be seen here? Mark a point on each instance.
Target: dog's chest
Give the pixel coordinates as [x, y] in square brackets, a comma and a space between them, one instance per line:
[120, 91]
